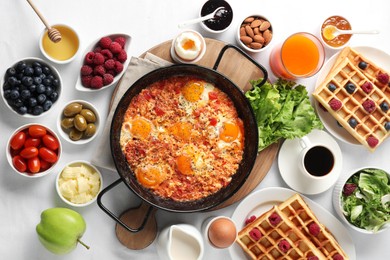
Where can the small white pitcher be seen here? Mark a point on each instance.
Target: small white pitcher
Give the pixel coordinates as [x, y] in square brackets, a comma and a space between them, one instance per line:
[179, 242]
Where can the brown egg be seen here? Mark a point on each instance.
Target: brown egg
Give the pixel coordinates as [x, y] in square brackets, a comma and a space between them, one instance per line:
[222, 232]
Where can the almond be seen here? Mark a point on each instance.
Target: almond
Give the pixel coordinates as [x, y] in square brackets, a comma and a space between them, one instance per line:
[256, 45]
[256, 31]
[259, 38]
[255, 23]
[242, 31]
[249, 31]
[267, 34]
[264, 26]
[246, 39]
[249, 19]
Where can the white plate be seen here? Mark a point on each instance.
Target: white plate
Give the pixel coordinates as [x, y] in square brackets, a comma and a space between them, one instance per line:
[288, 159]
[79, 86]
[381, 58]
[263, 200]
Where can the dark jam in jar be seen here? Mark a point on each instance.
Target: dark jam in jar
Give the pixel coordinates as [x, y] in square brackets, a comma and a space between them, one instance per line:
[341, 23]
[223, 18]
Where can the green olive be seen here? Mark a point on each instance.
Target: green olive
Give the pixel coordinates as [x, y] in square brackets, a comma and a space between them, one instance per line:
[72, 109]
[80, 123]
[75, 134]
[88, 115]
[90, 131]
[67, 122]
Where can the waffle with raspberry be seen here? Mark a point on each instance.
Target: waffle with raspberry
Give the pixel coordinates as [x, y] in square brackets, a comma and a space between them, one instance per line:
[358, 103]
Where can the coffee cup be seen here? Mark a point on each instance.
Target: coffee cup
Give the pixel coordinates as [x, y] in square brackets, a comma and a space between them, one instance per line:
[317, 159]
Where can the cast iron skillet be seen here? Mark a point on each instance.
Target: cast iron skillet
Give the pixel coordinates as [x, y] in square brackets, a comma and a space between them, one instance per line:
[244, 112]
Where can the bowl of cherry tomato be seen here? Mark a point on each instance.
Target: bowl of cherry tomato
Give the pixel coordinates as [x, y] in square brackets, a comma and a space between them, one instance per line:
[33, 150]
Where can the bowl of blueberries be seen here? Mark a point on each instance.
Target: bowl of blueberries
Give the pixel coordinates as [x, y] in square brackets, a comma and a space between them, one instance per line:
[31, 87]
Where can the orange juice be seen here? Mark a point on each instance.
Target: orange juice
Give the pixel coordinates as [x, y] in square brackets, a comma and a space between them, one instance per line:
[301, 55]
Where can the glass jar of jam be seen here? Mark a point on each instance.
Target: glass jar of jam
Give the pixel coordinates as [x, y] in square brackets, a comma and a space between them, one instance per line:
[341, 23]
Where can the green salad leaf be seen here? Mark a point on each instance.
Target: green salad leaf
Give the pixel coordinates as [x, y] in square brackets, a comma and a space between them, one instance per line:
[366, 207]
[282, 110]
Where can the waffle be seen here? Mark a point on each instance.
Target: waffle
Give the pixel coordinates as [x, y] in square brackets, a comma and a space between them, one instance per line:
[298, 212]
[267, 247]
[368, 127]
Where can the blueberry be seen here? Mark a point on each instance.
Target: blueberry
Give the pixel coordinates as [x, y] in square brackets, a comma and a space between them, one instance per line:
[362, 65]
[22, 110]
[384, 106]
[25, 94]
[27, 81]
[37, 110]
[54, 96]
[331, 87]
[50, 76]
[350, 87]
[11, 72]
[42, 76]
[13, 81]
[19, 76]
[46, 81]
[32, 88]
[37, 71]
[47, 105]
[6, 86]
[14, 94]
[48, 91]
[41, 89]
[7, 94]
[18, 102]
[387, 126]
[28, 71]
[56, 82]
[21, 66]
[36, 64]
[41, 98]
[352, 122]
[37, 80]
[32, 102]
[46, 70]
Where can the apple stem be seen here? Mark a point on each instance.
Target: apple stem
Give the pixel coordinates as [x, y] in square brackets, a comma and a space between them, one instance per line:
[81, 242]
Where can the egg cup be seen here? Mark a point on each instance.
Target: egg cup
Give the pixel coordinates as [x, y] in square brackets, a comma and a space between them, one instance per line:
[188, 47]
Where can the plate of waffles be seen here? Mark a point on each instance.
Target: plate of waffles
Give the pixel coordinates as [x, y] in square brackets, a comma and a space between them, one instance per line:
[351, 76]
[278, 223]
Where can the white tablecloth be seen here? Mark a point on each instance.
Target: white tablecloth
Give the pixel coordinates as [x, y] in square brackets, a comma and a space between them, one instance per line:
[149, 23]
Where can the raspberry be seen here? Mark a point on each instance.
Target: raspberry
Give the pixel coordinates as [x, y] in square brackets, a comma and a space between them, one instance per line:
[314, 229]
[109, 64]
[115, 47]
[98, 59]
[122, 56]
[121, 40]
[274, 219]
[97, 49]
[335, 104]
[250, 219]
[118, 67]
[255, 234]
[86, 81]
[284, 245]
[367, 87]
[107, 79]
[99, 70]
[96, 82]
[107, 54]
[372, 141]
[369, 105]
[89, 57]
[383, 78]
[105, 42]
[349, 188]
[86, 70]
[338, 257]
[112, 72]
[313, 257]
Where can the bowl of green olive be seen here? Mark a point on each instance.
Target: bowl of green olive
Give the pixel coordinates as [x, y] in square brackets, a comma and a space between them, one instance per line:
[78, 122]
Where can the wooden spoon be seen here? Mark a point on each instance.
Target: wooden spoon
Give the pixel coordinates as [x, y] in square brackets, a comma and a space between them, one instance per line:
[53, 33]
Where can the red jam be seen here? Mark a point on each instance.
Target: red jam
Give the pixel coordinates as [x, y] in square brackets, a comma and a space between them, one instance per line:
[341, 23]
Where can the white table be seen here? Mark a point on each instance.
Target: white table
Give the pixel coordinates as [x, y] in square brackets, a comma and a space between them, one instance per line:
[150, 23]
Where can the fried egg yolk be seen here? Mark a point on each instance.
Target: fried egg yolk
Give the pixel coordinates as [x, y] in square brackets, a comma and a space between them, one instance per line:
[229, 132]
[192, 91]
[150, 176]
[184, 165]
[141, 128]
[181, 131]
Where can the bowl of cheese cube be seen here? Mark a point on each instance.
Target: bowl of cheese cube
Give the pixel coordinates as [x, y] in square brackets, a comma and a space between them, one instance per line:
[79, 183]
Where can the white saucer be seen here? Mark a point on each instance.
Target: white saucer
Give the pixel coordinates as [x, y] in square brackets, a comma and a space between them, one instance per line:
[288, 165]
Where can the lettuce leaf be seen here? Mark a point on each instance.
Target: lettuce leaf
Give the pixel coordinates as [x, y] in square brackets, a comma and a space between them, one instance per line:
[283, 111]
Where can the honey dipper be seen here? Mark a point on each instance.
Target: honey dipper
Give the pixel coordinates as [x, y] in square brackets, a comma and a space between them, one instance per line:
[54, 34]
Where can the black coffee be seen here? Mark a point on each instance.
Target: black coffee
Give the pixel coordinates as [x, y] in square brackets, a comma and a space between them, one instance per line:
[318, 161]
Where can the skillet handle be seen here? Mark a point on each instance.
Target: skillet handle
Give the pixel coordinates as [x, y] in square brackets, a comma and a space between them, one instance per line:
[227, 46]
[114, 217]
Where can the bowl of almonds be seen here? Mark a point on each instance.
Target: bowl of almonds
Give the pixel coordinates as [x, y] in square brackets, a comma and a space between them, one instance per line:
[255, 33]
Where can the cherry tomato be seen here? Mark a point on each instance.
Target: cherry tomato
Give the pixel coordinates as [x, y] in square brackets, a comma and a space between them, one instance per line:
[29, 152]
[18, 140]
[213, 121]
[213, 95]
[34, 142]
[50, 142]
[19, 163]
[47, 155]
[34, 164]
[45, 165]
[159, 111]
[36, 131]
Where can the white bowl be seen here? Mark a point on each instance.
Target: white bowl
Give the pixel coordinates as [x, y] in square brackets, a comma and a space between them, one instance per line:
[337, 204]
[79, 86]
[65, 133]
[70, 41]
[27, 174]
[29, 61]
[213, 5]
[77, 164]
[245, 47]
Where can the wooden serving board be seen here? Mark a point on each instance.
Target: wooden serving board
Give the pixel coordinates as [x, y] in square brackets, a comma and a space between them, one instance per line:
[239, 70]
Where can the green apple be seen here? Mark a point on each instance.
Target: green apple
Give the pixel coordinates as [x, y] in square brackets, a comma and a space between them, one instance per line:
[60, 230]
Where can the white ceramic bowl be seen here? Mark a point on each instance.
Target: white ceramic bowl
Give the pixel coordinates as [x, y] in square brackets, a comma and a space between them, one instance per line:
[65, 132]
[63, 51]
[243, 45]
[212, 6]
[9, 152]
[337, 203]
[30, 61]
[79, 86]
[325, 43]
[76, 179]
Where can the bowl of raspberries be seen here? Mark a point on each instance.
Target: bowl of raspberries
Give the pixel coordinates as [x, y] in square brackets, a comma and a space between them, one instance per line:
[104, 62]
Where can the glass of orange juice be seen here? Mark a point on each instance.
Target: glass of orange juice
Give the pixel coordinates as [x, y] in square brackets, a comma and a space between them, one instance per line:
[300, 56]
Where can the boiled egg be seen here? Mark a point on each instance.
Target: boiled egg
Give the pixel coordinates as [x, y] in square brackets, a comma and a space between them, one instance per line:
[188, 45]
[222, 232]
